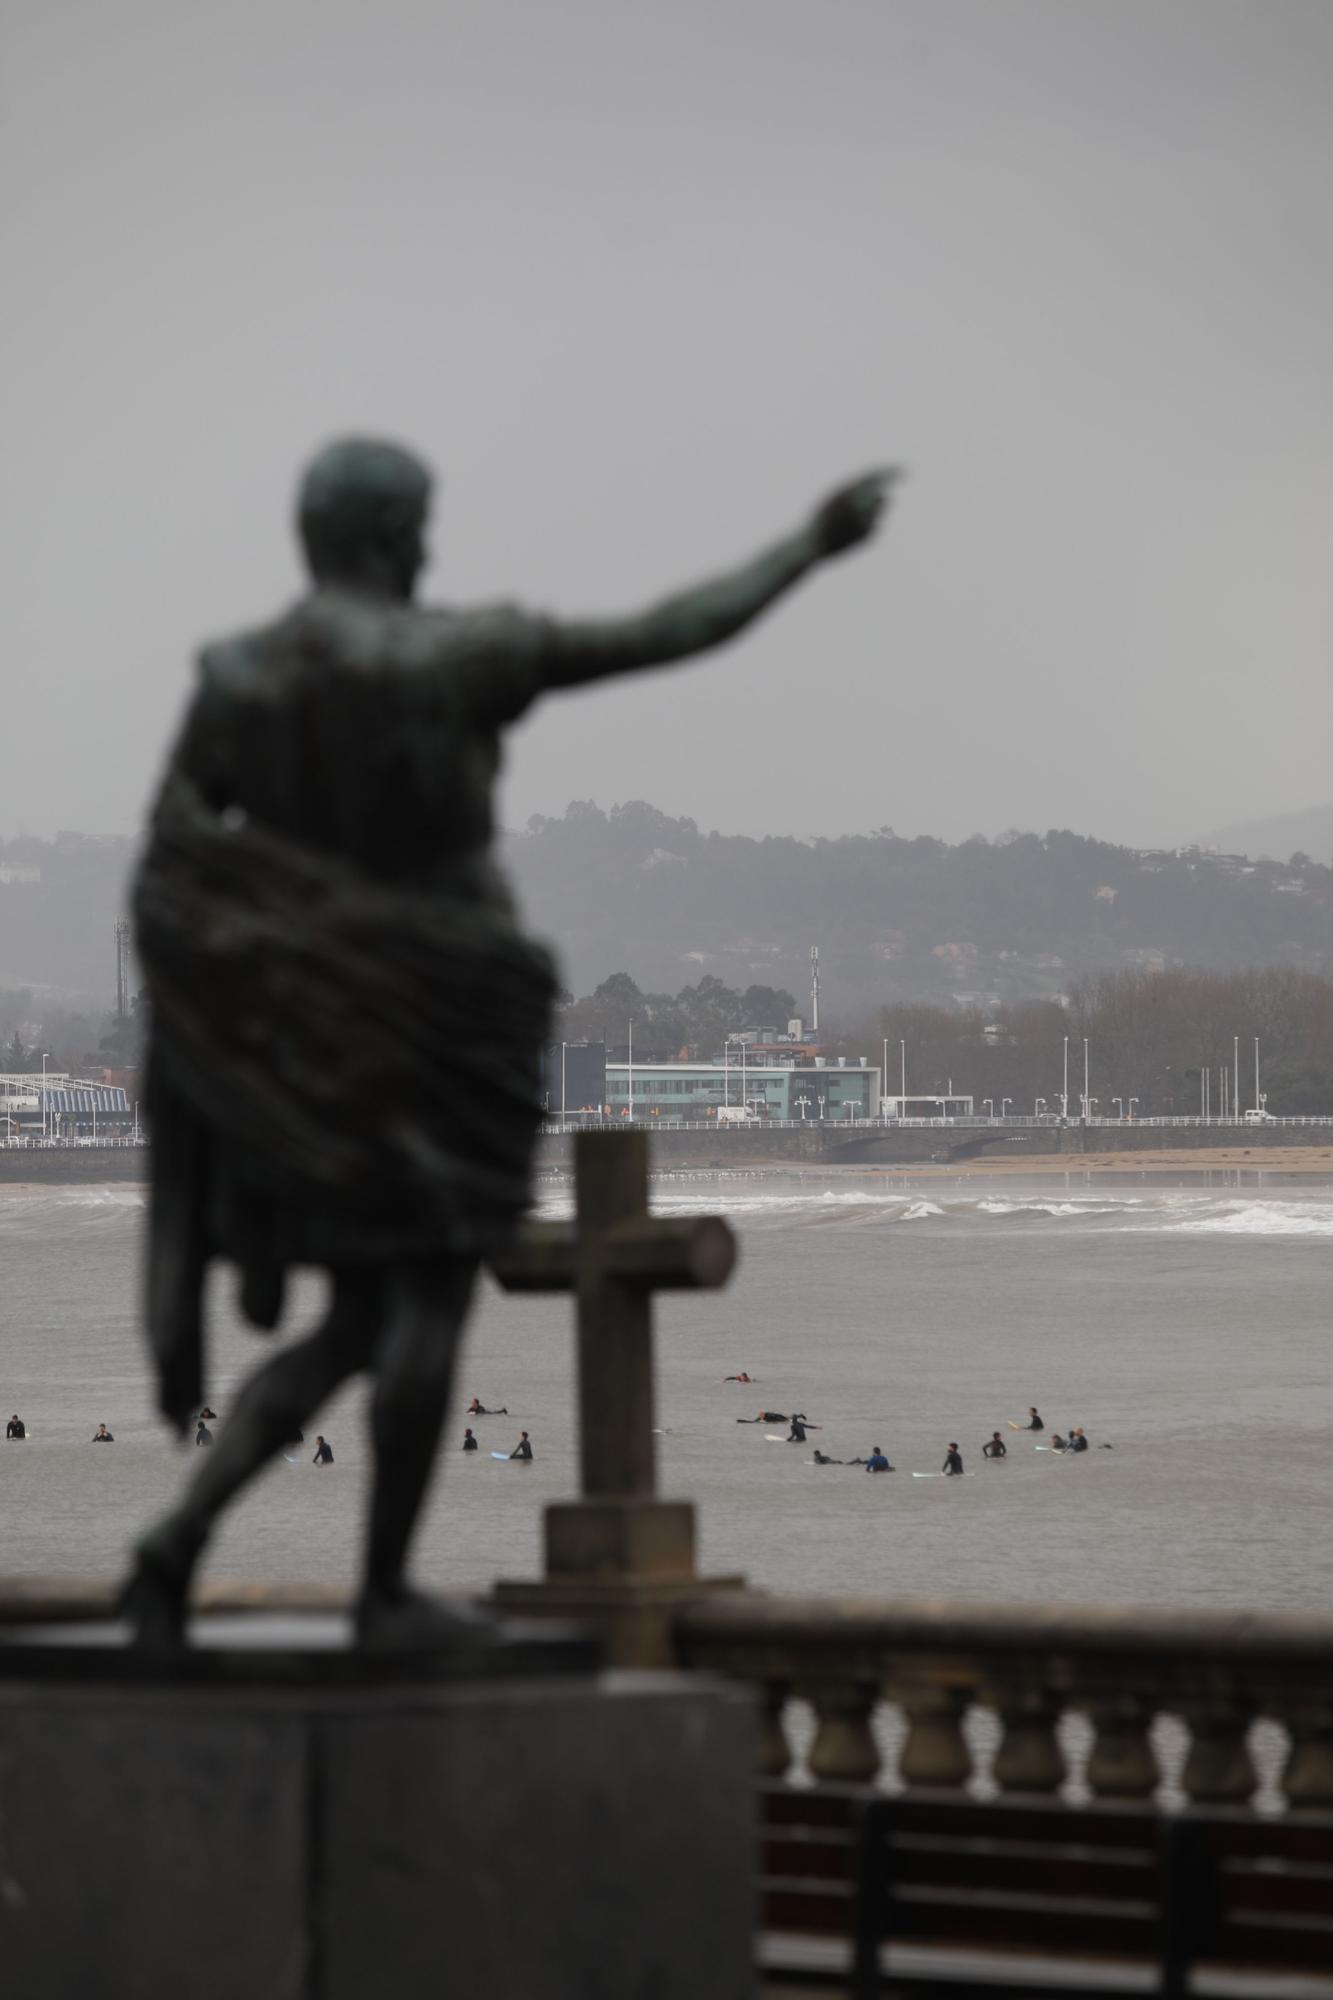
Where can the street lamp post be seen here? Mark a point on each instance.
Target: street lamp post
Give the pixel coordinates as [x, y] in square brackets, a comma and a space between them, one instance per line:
[1132, 1102]
[1120, 1102]
[988, 1104]
[1064, 1094]
[1005, 1102]
[45, 1114]
[1039, 1107]
[1086, 1113]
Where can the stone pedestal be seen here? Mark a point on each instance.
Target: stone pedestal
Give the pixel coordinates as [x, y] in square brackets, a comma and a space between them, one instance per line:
[296, 1836]
[622, 1567]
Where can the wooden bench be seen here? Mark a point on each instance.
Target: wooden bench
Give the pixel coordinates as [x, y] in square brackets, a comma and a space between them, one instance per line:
[1112, 1900]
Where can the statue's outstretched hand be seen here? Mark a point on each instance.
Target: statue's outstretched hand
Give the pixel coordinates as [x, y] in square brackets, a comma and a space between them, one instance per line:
[851, 515]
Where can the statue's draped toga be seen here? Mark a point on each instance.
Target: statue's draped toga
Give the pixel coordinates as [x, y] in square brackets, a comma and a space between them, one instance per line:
[345, 1018]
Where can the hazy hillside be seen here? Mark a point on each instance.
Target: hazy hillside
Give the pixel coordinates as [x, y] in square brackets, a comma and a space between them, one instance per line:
[898, 919]
[58, 902]
[631, 890]
[1308, 832]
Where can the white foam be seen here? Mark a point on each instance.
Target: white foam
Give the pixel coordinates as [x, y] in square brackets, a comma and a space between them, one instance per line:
[1259, 1218]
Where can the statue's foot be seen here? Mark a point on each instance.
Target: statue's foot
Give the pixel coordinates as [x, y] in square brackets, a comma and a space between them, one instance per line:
[155, 1598]
[407, 1621]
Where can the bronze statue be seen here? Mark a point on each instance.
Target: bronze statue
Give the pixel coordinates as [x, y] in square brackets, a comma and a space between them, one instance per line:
[345, 1017]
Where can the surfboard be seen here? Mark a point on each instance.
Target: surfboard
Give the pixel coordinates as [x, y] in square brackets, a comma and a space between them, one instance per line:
[774, 1437]
[500, 1454]
[291, 1461]
[941, 1475]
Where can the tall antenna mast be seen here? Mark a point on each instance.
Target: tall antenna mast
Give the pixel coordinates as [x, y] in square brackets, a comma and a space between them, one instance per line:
[814, 989]
[122, 930]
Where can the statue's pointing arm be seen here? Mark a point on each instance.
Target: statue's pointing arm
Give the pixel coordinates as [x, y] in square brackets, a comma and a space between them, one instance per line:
[710, 614]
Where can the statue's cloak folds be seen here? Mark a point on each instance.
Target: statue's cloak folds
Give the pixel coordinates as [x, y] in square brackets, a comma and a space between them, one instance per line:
[340, 1070]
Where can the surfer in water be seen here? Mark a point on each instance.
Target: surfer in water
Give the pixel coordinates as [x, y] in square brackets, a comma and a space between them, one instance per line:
[799, 1427]
[1057, 1443]
[996, 1448]
[822, 1458]
[742, 1377]
[469, 1442]
[102, 1435]
[323, 1452]
[16, 1428]
[1077, 1441]
[953, 1462]
[523, 1449]
[767, 1417]
[203, 1435]
[877, 1461]
[476, 1409]
[1034, 1422]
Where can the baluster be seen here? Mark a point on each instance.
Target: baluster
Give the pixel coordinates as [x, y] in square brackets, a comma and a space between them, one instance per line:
[1122, 1763]
[772, 1751]
[1307, 1776]
[1218, 1770]
[1029, 1758]
[844, 1747]
[935, 1753]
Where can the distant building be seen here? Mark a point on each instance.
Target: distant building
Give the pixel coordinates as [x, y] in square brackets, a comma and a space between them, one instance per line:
[574, 1079]
[765, 1086]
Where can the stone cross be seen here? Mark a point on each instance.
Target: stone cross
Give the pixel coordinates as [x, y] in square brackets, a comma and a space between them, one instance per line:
[619, 1536]
[613, 1257]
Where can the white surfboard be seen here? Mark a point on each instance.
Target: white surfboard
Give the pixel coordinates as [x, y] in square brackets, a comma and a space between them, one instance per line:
[500, 1454]
[941, 1475]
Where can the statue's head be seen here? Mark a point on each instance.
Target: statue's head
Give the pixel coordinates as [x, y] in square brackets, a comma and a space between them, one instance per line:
[361, 512]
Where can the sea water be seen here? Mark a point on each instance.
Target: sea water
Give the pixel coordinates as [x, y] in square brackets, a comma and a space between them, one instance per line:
[1183, 1321]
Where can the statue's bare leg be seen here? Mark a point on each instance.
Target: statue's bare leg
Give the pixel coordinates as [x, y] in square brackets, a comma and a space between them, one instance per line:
[271, 1408]
[425, 1308]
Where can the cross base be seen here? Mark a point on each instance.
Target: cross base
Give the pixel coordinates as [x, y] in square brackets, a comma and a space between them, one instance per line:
[632, 1615]
[601, 1539]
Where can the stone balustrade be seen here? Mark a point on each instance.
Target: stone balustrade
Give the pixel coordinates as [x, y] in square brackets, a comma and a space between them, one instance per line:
[1031, 1701]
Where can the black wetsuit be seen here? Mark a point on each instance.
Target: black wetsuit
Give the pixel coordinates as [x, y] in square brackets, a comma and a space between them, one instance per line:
[323, 1456]
[469, 1442]
[522, 1449]
[996, 1448]
[797, 1433]
[953, 1464]
[16, 1428]
[820, 1459]
[1036, 1424]
[1078, 1444]
[203, 1435]
[766, 1417]
[103, 1437]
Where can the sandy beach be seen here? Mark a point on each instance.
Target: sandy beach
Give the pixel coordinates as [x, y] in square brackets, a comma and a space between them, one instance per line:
[1288, 1161]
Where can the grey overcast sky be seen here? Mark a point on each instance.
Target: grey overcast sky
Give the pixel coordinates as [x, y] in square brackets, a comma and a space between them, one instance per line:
[642, 278]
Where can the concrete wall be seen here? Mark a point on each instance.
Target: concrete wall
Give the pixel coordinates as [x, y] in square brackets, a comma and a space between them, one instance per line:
[71, 1166]
[823, 1144]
